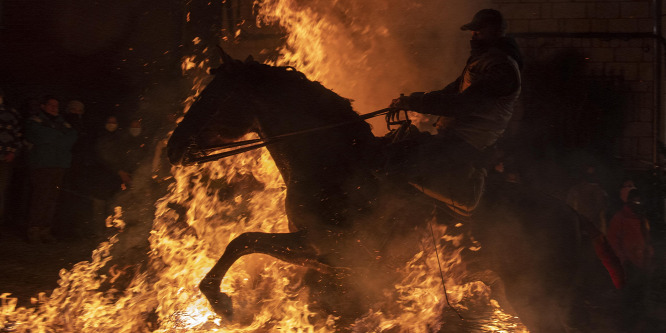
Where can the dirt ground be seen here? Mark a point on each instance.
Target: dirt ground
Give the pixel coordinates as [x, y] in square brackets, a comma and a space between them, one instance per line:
[28, 269]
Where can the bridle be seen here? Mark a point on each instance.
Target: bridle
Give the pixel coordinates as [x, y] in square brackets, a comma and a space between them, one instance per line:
[212, 153]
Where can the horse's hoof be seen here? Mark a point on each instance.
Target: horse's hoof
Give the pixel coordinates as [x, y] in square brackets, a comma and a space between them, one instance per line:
[220, 302]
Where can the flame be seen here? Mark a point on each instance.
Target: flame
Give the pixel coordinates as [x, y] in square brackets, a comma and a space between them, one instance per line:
[269, 295]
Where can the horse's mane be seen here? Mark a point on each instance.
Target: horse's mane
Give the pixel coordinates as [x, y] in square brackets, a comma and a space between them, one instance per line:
[330, 106]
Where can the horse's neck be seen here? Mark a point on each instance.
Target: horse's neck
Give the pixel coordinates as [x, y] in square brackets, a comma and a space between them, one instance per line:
[312, 157]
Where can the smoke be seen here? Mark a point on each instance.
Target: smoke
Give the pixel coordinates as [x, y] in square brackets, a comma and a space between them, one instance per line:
[372, 51]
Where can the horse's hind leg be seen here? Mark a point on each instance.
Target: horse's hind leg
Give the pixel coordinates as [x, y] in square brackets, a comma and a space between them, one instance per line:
[288, 247]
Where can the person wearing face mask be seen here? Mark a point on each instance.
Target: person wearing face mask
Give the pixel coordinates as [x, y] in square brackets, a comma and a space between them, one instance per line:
[108, 181]
[134, 148]
[477, 107]
[121, 150]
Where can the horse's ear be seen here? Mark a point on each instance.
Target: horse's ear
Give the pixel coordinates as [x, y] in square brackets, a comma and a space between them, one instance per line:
[249, 59]
[226, 59]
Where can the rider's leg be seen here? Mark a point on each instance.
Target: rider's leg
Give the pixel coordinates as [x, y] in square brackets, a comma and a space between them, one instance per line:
[460, 191]
[448, 171]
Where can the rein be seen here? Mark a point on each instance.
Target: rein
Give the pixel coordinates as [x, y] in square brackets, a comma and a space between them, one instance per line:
[247, 145]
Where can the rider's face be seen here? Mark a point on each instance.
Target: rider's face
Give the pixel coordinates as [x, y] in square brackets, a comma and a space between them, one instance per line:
[486, 33]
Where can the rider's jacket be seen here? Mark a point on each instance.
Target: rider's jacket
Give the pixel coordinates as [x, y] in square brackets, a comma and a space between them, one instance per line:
[482, 98]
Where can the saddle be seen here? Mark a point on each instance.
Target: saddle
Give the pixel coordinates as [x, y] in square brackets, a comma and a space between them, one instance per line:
[444, 168]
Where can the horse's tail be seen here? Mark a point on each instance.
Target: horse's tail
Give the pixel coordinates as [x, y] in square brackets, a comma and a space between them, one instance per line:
[604, 251]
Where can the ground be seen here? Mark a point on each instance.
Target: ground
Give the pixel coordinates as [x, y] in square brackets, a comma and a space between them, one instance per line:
[28, 269]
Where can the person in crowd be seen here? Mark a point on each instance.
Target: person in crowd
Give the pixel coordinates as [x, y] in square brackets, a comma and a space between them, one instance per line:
[629, 235]
[49, 157]
[11, 141]
[77, 203]
[107, 181]
[589, 198]
[627, 186]
[476, 107]
[74, 112]
[129, 150]
[120, 152]
[29, 107]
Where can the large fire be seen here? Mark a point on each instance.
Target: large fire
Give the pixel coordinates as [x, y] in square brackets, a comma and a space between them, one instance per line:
[269, 295]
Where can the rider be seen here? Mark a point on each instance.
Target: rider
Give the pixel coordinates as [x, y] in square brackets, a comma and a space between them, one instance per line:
[476, 107]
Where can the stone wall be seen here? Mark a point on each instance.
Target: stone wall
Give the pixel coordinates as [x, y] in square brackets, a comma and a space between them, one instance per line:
[615, 38]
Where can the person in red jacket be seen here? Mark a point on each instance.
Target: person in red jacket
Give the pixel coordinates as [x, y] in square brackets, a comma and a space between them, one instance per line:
[629, 235]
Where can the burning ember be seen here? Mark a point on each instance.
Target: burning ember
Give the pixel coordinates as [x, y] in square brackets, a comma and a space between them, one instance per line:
[244, 193]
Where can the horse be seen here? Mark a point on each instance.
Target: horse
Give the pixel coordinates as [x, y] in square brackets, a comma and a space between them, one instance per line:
[346, 219]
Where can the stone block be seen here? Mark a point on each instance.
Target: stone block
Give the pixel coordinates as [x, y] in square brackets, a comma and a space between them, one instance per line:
[637, 42]
[646, 71]
[645, 115]
[518, 26]
[520, 10]
[628, 70]
[649, 55]
[600, 54]
[629, 54]
[635, 9]
[546, 10]
[645, 147]
[641, 86]
[628, 116]
[645, 25]
[594, 68]
[562, 42]
[644, 100]
[599, 25]
[629, 147]
[608, 10]
[569, 10]
[600, 43]
[576, 25]
[637, 129]
[549, 25]
[623, 25]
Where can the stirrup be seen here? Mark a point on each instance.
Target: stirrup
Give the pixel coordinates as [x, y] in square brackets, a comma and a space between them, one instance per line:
[454, 206]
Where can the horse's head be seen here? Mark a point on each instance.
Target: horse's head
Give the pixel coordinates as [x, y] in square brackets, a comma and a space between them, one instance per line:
[223, 112]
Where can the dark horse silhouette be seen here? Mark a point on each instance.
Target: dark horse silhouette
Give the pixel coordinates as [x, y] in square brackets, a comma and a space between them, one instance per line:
[346, 220]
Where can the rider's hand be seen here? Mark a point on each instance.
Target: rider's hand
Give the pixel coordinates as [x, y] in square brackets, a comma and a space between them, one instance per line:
[400, 103]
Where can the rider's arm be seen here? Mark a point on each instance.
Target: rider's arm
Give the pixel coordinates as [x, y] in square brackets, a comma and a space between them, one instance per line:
[498, 80]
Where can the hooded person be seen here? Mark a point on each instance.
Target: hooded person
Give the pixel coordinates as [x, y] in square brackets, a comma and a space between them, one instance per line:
[477, 107]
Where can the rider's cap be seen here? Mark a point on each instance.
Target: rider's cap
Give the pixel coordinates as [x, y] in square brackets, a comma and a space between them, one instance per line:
[485, 18]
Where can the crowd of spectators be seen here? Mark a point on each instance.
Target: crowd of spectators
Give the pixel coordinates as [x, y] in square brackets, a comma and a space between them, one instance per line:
[627, 230]
[60, 171]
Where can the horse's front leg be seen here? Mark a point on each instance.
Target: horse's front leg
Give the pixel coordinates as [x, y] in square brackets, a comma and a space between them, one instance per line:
[289, 247]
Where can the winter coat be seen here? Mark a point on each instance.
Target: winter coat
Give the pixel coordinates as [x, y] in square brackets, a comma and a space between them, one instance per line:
[482, 98]
[52, 139]
[628, 234]
[11, 132]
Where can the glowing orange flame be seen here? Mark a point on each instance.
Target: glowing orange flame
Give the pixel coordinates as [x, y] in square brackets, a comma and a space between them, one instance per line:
[268, 294]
